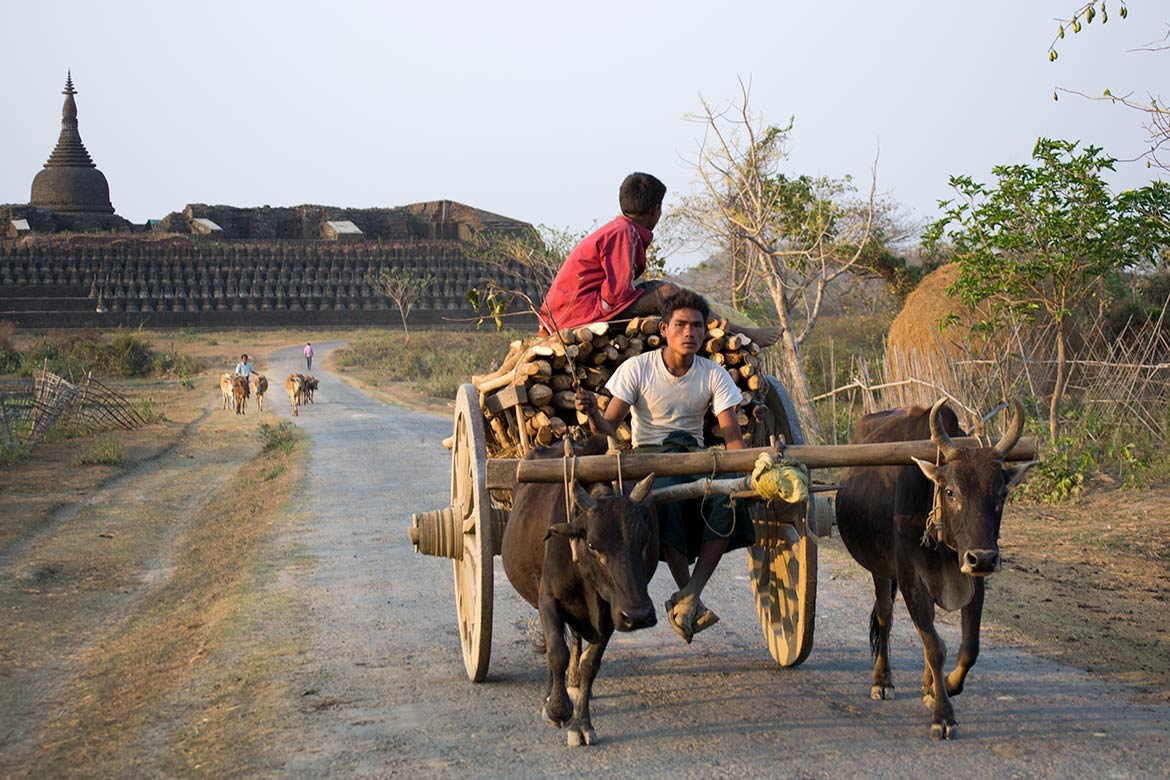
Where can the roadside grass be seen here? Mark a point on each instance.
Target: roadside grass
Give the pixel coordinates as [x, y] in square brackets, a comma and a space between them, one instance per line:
[433, 362]
[282, 436]
[104, 451]
[161, 657]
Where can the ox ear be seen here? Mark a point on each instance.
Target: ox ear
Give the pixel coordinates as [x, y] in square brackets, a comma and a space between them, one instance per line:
[1014, 475]
[932, 472]
[567, 530]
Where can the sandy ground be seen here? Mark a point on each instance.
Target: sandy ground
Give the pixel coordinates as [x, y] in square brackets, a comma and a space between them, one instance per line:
[305, 638]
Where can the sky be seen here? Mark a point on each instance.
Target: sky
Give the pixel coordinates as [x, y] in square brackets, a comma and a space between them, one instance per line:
[537, 110]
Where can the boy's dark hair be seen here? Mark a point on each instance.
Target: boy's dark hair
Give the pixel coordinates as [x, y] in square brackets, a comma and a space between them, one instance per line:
[685, 299]
[640, 193]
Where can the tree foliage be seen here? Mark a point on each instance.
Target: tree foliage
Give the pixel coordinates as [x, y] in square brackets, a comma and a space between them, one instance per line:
[529, 256]
[404, 287]
[1155, 114]
[786, 235]
[1045, 238]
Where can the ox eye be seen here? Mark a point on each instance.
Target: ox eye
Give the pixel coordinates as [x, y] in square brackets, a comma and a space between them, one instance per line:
[950, 493]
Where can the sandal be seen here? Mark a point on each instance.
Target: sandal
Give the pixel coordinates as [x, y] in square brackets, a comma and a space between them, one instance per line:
[683, 630]
[689, 622]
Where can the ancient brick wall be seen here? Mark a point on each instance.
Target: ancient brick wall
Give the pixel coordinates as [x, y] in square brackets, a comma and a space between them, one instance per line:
[186, 281]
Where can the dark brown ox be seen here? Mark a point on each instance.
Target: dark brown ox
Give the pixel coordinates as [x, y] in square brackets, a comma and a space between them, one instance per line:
[587, 572]
[886, 521]
[310, 387]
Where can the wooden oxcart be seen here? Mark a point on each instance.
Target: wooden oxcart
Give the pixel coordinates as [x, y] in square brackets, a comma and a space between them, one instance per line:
[782, 562]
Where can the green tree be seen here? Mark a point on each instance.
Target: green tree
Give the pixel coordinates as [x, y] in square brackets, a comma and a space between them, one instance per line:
[404, 287]
[790, 236]
[1045, 237]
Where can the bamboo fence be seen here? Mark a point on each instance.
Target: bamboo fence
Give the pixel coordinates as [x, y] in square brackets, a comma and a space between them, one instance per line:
[31, 407]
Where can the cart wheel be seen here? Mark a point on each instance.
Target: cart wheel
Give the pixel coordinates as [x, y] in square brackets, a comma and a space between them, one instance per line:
[783, 562]
[469, 498]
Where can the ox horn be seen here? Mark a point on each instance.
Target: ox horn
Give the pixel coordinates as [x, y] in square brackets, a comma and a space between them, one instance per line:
[941, 438]
[582, 498]
[642, 489]
[1015, 428]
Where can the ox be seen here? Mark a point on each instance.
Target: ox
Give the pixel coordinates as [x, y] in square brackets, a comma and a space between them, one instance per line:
[294, 386]
[588, 572]
[240, 393]
[310, 387]
[225, 389]
[930, 531]
[259, 387]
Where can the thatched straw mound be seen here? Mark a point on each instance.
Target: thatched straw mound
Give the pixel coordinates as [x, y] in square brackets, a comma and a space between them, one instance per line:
[915, 330]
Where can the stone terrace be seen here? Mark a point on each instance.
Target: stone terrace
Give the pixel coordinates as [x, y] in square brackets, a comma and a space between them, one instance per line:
[86, 281]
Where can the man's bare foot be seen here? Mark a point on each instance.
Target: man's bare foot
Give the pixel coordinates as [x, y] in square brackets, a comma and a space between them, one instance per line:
[765, 337]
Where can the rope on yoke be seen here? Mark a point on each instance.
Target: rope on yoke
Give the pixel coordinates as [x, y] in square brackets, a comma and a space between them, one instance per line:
[932, 532]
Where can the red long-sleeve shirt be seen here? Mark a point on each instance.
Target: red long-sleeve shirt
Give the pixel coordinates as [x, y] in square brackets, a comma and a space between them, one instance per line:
[597, 280]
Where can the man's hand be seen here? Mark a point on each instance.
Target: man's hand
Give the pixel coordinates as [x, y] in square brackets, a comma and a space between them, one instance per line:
[586, 403]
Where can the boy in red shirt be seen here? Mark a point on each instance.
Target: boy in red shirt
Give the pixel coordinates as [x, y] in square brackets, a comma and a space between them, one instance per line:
[597, 281]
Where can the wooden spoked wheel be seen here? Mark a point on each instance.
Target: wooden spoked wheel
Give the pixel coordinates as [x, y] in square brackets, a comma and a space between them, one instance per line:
[472, 506]
[783, 562]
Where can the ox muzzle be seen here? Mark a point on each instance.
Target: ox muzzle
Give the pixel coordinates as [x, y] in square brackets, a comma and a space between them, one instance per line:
[633, 619]
[980, 563]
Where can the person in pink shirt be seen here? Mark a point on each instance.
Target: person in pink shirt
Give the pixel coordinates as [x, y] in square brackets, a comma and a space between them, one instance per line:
[308, 356]
[598, 280]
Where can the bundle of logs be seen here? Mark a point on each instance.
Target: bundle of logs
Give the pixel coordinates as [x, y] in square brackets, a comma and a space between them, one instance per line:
[530, 399]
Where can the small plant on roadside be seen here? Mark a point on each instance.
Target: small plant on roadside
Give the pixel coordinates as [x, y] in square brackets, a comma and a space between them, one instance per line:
[282, 436]
[275, 471]
[147, 409]
[105, 451]
[1060, 475]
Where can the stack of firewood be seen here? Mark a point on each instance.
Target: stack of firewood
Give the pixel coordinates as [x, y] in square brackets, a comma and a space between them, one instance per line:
[530, 399]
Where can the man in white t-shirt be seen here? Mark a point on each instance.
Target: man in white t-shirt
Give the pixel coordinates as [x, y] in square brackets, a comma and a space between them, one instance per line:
[669, 392]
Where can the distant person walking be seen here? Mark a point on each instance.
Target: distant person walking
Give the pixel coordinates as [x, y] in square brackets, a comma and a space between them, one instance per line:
[308, 356]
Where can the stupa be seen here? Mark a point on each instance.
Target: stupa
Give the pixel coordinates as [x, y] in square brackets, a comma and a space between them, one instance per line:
[70, 182]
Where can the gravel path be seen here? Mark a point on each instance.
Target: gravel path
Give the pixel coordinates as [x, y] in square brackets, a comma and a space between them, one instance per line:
[383, 691]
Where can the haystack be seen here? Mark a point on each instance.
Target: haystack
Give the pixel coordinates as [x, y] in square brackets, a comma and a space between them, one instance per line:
[916, 328]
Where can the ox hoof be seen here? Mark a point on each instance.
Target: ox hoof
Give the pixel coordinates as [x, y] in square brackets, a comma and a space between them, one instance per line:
[881, 692]
[928, 701]
[580, 736]
[549, 719]
[944, 731]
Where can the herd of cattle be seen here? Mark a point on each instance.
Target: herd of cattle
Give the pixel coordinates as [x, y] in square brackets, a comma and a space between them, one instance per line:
[584, 557]
[236, 390]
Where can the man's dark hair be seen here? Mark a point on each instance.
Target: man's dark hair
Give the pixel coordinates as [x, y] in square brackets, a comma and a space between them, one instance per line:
[640, 193]
[685, 299]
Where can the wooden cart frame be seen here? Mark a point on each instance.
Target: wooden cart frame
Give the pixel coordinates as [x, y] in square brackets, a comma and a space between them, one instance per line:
[782, 563]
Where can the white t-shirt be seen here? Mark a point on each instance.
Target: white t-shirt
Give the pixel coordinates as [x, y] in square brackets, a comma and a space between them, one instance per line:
[661, 402]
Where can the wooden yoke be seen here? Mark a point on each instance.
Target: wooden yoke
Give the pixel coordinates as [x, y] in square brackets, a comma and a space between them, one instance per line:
[505, 473]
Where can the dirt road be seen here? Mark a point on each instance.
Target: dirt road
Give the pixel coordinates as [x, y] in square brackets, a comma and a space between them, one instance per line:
[344, 662]
[384, 692]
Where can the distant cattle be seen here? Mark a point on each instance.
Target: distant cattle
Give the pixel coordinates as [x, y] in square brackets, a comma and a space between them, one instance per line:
[225, 389]
[309, 387]
[931, 531]
[240, 394]
[259, 386]
[588, 572]
[294, 386]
